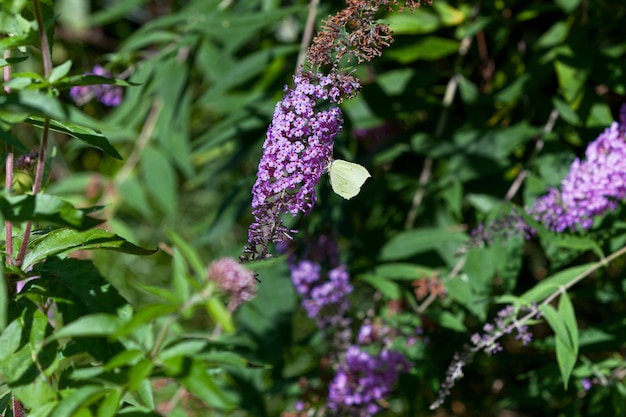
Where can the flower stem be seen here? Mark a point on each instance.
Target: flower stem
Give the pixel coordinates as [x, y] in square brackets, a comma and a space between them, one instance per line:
[41, 159]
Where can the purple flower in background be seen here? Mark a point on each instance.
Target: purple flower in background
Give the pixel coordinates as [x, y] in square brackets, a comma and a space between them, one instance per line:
[592, 187]
[363, 380]
[504, 323]
[325, 300]
[296, 154]
[107, 94]
[324, 285]
[234, 279]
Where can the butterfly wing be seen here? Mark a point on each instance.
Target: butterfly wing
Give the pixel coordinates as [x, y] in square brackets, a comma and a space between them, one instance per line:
[346, 178]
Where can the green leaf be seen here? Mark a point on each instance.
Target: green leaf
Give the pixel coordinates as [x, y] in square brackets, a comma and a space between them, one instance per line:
[189, 253]
[551, 284]
[566, 112]
[90, 136]
[101, 324]
[60, 71]
[201, 384]
[139, 373]
[10, 339]
[404, 271]
[452, 321]
[220, 314]
[145, 315]
[419, 22]
[571, 80]
[461, 289]
[47, 209]
[412, 242]
[554, 36]
[91, 79]
[565, 328]
[568, 6]
[110, 404]
[66, 241]
[180, 283]
[82, 397]
[127, 357]
[388, 288]
[430, 48]
[160, 179]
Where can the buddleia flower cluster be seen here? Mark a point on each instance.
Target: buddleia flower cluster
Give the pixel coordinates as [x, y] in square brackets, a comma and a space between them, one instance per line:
[107, 94]
[296, 153]
[592, 187]
[299, 143]
[506, 322]
[363, 380]
[323, 284]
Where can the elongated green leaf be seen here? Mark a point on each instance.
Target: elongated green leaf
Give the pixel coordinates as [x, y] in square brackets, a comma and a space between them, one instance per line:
[180, 282]
[110, 404]
[66, 241]
[60, 71]
[138, 373]
[10, 339]
[563, 323]
[78, 399]
[100, 324]
[412, 242]
[90, 79]
[404, 271]
[201, 384]
[160, 178]
[430, 48]
[90, 136]
[220, 314]
[388, 288]
[551, 284]
[146, 315]
[127, 357]
[45, 208]
[188, 252]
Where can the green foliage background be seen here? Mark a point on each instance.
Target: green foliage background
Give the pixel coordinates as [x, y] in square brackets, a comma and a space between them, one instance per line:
[481, 92]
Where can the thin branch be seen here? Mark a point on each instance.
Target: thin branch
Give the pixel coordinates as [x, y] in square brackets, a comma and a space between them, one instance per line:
[448, 98]
[517, 183]
[308, 33]
[142, 141]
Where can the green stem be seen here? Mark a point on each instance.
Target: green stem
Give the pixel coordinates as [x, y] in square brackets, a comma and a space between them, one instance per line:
[41, 159]
[8, 177]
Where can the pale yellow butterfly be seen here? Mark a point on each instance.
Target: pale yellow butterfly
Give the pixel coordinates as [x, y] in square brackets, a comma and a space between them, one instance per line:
[346, 178]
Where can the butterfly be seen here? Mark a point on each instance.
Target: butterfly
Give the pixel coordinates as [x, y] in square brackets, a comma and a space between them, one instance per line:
[346, 178]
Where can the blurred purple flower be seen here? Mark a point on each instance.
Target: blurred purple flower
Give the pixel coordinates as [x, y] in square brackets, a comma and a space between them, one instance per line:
[234, 279]
[363, 380]
[325, 300]
[107, 94]
[296, 154]
[592, 187]
[504, 323]
[587, 383]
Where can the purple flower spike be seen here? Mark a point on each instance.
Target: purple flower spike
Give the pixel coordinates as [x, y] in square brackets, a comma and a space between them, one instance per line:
[296, 154]
[592, 187]
[363, 380]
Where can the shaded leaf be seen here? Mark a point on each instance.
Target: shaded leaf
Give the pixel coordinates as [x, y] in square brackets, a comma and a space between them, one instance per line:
[66, 241]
